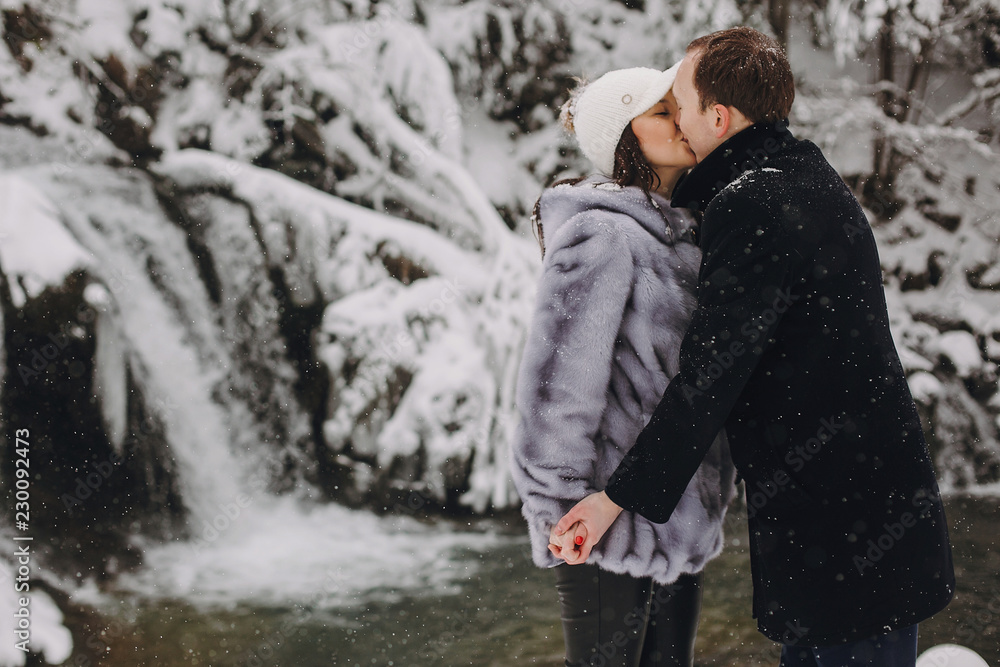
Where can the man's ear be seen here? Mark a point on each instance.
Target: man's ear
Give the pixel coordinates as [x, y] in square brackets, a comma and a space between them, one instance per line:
[722, 120]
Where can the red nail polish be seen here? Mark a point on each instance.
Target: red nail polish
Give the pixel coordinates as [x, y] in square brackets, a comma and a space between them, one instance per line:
[579, 539]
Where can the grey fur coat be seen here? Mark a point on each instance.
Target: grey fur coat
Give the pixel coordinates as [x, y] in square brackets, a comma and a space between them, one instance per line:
[614, 300]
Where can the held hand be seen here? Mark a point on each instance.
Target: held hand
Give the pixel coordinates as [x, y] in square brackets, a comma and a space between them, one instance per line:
[570, 540]
[590, 518]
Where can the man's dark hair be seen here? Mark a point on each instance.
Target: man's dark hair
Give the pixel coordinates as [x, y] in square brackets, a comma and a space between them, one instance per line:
[743, 68]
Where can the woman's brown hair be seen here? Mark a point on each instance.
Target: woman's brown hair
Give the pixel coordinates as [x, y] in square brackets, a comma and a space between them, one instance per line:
[631, 168]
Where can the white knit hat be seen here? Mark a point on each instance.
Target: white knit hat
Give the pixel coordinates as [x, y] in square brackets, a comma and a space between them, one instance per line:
[600, 111]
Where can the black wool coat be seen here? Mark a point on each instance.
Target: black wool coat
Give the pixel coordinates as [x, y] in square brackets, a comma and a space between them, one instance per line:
[789, 349]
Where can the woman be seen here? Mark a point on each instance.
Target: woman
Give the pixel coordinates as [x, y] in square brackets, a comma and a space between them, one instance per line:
[614, 299]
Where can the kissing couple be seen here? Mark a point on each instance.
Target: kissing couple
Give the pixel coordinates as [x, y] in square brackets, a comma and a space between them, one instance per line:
[710, 309]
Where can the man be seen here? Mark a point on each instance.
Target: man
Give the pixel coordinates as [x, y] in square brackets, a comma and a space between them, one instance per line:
[789, 349]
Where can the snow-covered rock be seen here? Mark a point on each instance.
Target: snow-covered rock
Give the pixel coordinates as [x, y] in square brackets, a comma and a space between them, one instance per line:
[36, 251]
[48, 637]
[925, 387]
[416, 335]
[961, 351]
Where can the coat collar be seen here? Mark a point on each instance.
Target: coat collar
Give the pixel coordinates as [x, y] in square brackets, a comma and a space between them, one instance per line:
[563, 201]
[750, 149]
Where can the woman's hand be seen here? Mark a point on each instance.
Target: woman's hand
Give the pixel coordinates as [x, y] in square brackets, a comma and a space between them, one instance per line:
[589, 518]
[570, 541]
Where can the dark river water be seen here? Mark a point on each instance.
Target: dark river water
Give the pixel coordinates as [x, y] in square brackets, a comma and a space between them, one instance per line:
[504, 614]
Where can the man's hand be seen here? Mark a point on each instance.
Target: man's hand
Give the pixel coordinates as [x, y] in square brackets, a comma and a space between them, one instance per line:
[590, 519]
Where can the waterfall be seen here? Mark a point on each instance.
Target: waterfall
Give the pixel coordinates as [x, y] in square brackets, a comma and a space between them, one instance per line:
[158, 324]
[177, 365]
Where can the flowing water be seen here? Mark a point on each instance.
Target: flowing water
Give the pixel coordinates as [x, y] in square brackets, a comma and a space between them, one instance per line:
[338, 587]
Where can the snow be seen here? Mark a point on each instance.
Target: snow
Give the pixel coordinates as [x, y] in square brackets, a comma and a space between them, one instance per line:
[189, 115]
[924, 387]
[103, 28]
[419, 80]
[239, 132]
[165, 27]
[48, 632]
[452, 386]
[46, 94]
[36, 251]
[961, 349]
[10, 656]
[928, 11]
[316, 217]
[911, 361]
[429, 330]
[49, 637]
[495, 157]
[741, 181]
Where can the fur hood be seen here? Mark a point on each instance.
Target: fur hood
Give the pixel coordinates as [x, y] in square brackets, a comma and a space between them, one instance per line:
[614, 300]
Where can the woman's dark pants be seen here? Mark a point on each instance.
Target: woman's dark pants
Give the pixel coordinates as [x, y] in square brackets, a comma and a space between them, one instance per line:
[615, 620]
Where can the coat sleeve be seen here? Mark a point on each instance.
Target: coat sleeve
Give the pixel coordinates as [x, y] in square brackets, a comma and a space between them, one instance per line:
[565, 369]
[744, 290]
